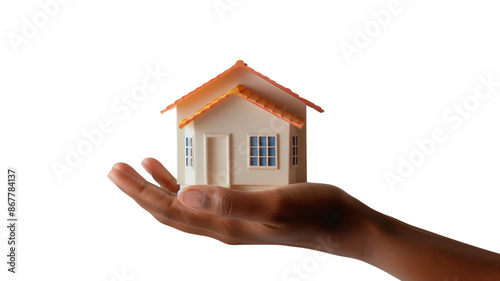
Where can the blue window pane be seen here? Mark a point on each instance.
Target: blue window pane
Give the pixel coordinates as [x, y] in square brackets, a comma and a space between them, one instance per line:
[263, 161]
[253, 141]
[272, 151]
[187, 151]
[272, 141]
[253, 161]
[262, 141]
[272, 161]
[187, 162]
[254, 151]
[263, 152]
[190, 142]
[187, 141]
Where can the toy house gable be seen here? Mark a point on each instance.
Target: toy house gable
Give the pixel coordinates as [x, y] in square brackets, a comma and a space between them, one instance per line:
[241, 130]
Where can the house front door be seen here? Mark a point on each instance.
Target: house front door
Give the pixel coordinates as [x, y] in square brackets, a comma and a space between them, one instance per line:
[217, 159]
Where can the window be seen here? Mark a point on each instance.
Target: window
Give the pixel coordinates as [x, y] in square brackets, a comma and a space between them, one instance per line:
[263, 151]
[189, 152]
[295, 151]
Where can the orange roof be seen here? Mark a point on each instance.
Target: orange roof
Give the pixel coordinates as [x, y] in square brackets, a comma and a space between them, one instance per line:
[240, 63]
[255, 99]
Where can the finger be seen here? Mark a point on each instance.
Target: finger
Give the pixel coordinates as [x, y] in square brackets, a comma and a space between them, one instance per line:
[161, 175]
[157, 200]
[202, 232]
[126, 168]
[142, 191]
[260, 206]
[224, 229]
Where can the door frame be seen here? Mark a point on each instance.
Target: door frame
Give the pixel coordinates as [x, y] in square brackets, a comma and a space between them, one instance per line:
[228, 141]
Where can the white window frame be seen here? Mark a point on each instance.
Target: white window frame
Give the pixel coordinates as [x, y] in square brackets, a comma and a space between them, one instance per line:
[294, 150]
[188, 157]
[259, 147]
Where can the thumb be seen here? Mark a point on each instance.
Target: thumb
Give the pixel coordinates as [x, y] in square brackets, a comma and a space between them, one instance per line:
[225, 202]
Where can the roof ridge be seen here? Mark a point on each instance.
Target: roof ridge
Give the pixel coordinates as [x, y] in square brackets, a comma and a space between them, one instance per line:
[238, 64]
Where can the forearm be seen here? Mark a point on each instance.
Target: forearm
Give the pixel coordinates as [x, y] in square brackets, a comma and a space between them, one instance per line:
[315, 216]
[410, 253]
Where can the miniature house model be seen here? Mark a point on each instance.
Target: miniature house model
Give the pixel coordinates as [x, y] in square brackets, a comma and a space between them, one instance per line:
[241, 130]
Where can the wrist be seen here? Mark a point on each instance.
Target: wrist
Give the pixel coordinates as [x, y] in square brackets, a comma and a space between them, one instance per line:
[368, 229]
[378, 230]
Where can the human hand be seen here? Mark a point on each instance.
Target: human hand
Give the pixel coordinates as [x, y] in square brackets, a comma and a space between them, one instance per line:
[309, 215]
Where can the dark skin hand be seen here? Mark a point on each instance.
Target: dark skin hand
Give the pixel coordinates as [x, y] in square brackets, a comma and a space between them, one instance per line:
[309, 215]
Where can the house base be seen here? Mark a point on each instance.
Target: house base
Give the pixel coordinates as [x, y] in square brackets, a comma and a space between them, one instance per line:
[245, 187]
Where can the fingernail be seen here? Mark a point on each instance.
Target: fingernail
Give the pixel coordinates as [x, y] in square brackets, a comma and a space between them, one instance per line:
[111, 176]
[192, 198]
[146, 167]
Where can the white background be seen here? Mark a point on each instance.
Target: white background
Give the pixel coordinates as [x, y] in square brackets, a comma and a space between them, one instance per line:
[394, 91]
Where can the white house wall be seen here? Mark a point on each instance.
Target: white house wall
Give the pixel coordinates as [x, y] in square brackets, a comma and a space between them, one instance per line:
[189, 171]
[302, 169]
[181, 167]
[239, 118]
[299, 174]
